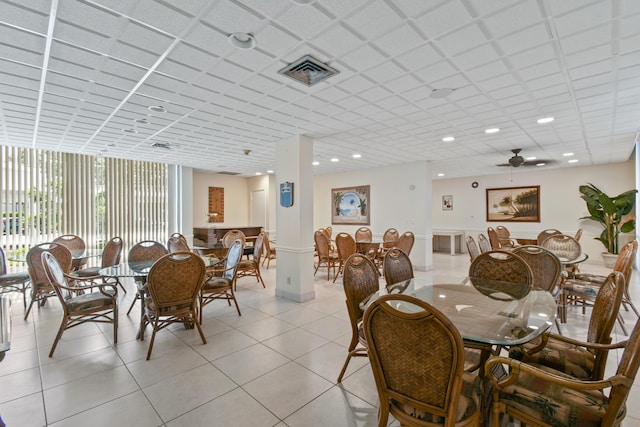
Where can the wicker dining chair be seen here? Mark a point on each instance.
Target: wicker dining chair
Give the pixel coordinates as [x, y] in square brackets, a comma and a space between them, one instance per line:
[219, 283]
[397, 267]
[78, 305]
[111, 254]
[417, 358]
[326, 257]
[584, 287]
[251, 267]
[13, 282]
[231, 236]
[77, 246]
[41, 288]
[389, 240]
[472, 248]
[269, 252]
[565, 247]
[364, 234]
[505, 237]
[483, 243]
[173, 285]
[405, 242]
[346, 246]
[494, 240]
[504, 272]
[178, 243]
[582, 360]
[360, 281]
[544, 234]
[143, 255]
[542, 397]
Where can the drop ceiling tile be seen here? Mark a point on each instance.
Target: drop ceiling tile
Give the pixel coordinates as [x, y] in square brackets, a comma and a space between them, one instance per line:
[533, 56]
[209, 39]
[589, 56]
[443, 19]
[374, 19]
[384, 72]
[276, 41]
[529, 38]
[591, 69]
[230, 17]
[476, 57]
[583, 18]
[356, 84]
[337, 40]
[487, 71]
[400, 40]
[540, 70]
[363, 58]
[306, 22]
[513, 19]
[462, 40]
[629, 44]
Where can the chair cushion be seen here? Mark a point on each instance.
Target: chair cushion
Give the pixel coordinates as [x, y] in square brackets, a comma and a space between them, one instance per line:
[574, 361]
[13, 278]
[468, 402]
[87, 272]
[555, 404]
[88, 301]
[216, 283]
[248, 265]
[583, 287]
[151, 307]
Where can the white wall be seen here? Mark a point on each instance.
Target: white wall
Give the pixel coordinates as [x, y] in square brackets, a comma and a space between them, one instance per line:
[236, 199]
[392, 202]
[560, 202]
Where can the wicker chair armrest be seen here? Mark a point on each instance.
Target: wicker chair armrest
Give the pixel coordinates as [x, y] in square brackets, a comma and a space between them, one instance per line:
[516, 367]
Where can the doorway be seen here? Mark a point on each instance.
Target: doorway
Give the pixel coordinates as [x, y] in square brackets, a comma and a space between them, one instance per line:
[258, 208]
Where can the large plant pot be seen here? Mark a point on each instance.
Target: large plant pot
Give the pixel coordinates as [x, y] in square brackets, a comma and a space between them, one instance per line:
[609, 259]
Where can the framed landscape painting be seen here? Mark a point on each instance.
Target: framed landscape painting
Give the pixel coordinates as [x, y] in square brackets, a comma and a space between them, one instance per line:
[514, 204]
[350, 205]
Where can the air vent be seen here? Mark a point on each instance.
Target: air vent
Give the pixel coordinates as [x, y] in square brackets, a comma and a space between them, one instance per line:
[308, 71]
[163, 145]
[228, 173]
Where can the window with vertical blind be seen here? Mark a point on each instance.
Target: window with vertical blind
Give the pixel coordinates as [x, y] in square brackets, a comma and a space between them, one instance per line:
[44, 194]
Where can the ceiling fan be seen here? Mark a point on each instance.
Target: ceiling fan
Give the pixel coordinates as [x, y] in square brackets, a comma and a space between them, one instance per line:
[517, 160]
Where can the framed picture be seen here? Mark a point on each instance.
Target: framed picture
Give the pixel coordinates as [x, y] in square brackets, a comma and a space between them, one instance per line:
[447, 203]
[514, 204]
[350, 205]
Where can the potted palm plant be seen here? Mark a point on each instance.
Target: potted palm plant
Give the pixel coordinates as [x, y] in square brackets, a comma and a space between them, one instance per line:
[612, 213]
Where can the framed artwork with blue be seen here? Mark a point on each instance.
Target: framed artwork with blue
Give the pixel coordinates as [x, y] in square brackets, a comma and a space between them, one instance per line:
[351, 205]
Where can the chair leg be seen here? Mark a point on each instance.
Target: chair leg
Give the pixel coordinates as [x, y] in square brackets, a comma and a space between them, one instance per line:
[621, 323]
[26, 315]
[133, 303]
[63, 326]
[339, 271]
[344, 367]
[153, 338]
[260, 278]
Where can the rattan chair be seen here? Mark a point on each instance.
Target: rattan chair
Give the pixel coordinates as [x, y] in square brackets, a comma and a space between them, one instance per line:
[142, 255]
[472, 248]
[397, 267]
[494, 240]
[173, 285]
[565, 247]
[389, 240]
[584, 287]
[78, 305]
[505, 237]
[219, 283]
[326, 257]
[405, 242]
[111, 254]
[364, 235]
[360, 281]
[541, 397]
[178, 243]
[251, 267]
[546, 268]
[77, 246]
[417, 358]
[506, 274]
[576, 358]
[544, 234]
[13, 282]
[483, 243]
[346, 246]
[231, 236]
[269, 252]
[41, 288]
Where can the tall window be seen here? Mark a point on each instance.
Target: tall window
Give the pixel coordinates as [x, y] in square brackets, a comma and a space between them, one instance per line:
[44, 194]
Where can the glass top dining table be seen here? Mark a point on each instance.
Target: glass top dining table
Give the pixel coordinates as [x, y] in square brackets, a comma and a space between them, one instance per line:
[486, 312]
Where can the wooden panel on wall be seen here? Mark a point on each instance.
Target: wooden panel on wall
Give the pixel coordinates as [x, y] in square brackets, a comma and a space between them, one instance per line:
[216, 204]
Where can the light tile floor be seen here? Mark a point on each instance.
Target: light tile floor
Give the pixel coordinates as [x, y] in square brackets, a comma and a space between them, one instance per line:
[276, 365]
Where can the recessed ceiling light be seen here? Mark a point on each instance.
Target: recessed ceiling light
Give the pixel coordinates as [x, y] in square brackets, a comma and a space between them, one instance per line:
[530, 158]
[129, 131]
[573, 161]
[157, 109]
[448, 139]
[316, 163]
[440, 174]
[568, 154]
[441, 93]
[357, 156]
[141, 121]
[540, 164]
[303, 2]
[492, 130]
[258, 173]
[545, 120]
[242, 40]
[269, 171]
[335, 160]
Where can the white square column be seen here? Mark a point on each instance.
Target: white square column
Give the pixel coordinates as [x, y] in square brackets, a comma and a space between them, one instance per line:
[294, 267]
